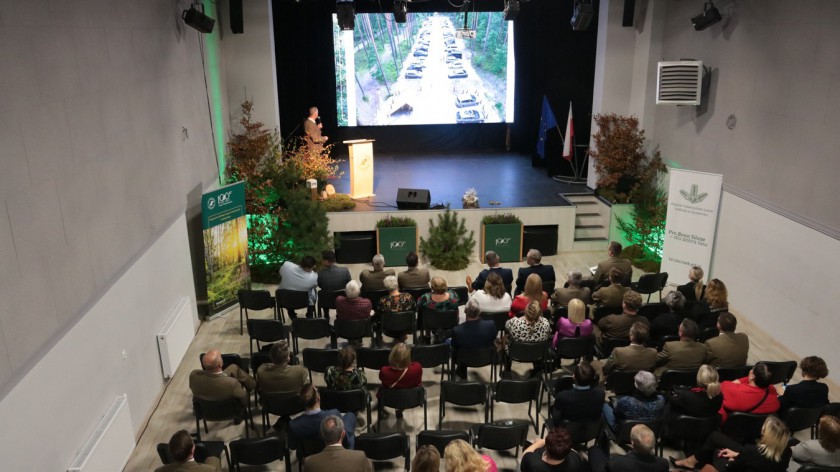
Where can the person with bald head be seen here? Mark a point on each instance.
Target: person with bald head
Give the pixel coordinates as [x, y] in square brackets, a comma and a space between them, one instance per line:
[641, 458]
[212, 383]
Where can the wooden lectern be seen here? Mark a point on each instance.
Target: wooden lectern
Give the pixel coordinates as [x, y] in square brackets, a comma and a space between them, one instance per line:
[361, 167]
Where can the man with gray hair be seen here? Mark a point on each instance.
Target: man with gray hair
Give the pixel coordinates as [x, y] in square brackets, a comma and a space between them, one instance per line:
[636, 356]
[668, 324]
[563, 295]
[375, 279]
[474, 333]
[641, 457]
[334, 455]
[492, 261]
[352, 306]
[545, 271]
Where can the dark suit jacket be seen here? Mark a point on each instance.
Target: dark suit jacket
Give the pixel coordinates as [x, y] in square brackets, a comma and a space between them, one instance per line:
[213, 464]
[632, 357]
[334, 458]
[578, 405]
[505, 274]
[681, 355]
[413, 278]
[688, 291]
[374, 279]
[546, 273]
[308, 425]
[618, 326]
[695, 402]
[231, 383]
[727, 350]
[666, 324]
[333, 278]
[562, 296]
[474, 334]
[805, 394]
[602, 272]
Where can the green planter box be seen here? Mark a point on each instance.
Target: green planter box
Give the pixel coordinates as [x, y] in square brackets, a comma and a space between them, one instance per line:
[395, 243]
[505, 240]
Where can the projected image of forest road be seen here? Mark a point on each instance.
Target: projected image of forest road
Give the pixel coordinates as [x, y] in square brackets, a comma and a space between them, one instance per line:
[432, 77]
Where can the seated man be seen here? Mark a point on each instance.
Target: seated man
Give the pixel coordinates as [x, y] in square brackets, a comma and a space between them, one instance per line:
[751, 394]
[332, 277]
[618, 326]
[636, 356]
[728, 349]
[182, 449]
[492, 260]
[686, 353]
[472, 333]
[613, 294]
[668, 324]
[308, 425]
[334, 454]
[413, 277]
[300, 277]
[546, 272]
[375, 279]
[213, 383]
[640, 458]
[613, 262]
[563, 295]
[278, 376]
[584, 401]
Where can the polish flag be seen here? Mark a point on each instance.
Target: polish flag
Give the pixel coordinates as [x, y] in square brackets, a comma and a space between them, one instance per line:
[568, 144]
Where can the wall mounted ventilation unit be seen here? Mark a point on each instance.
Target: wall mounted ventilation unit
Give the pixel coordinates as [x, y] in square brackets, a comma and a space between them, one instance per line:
[679, 83]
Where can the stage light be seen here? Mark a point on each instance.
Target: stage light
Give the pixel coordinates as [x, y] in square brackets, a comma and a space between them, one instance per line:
[346, 14]
[710, 16]
[511, 9]
[582, 15]
[400, 10]
[198, 20]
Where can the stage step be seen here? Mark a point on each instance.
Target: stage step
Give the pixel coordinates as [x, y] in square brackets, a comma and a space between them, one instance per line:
[592, 219]
[584, 232]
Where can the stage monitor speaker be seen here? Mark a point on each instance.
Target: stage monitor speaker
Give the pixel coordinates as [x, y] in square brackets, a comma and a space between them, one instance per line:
[413, 199]
[629, 13]
[237, 23]
[198, 20]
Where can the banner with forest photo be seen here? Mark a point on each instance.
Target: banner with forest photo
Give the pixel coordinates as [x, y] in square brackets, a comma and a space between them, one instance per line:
[225, 245]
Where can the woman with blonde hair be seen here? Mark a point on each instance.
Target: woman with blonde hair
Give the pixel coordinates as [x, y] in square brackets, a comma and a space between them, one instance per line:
[576, 325]
[493, 298]
[771, 454]
[694, 290]
[713, 303]
[461, 457]
[533, 292]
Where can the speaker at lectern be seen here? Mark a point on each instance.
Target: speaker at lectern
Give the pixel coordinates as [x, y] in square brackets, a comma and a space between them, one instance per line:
[361, 167]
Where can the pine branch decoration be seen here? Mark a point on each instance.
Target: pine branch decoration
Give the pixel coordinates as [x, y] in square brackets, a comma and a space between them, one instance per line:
[449, 247]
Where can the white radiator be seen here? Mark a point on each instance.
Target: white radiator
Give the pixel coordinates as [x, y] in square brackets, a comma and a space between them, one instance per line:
[111, 443]
[175, 337]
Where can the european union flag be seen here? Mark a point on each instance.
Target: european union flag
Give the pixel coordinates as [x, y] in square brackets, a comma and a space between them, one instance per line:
[547, 121]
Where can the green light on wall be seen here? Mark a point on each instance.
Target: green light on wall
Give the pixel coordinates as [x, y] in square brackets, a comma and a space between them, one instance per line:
[214, 87]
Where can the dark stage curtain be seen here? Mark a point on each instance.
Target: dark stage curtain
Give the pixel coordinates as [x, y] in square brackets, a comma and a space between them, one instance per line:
[551, 60]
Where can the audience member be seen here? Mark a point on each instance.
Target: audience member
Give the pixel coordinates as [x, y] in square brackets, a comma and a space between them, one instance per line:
[531, 328]
[351, 306]
[413, 277]
[636, 356]
[345, 375]
[426, 459]
[212, 383]
[824, 451]
[552, 454]
[612, 294]
[751, 394]
[546, 272]
[563, 295]
[583, 402]
[278, 376]
[332, 277]
[492, 261]
[302, 278]
[333, 433]
[461, 457]
[646, 404]
[533, 292]
[701, 401]
[809, 393]
[714, 303]
[668, 324]
[182, 449]
[641, 457]
[728, 349]
[576, 325]
[394, 302]
[439, 299]
[375, 279]
[474, 333]
[771, 454]
[694, 290]
[493, 297]
[308, 425]
[400, 372]
[618, 326]
[602, 272]
[686, 353]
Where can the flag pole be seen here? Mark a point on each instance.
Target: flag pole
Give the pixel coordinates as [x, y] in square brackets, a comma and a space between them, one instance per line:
[576, 169]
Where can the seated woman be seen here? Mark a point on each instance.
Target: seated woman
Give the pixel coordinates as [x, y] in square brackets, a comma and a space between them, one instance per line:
[345, 375]
[668, 324]
[459, 456]
[808, 393]
[427, 459]
[771, 454]
[576, 325]
[702, 401]
[562, 296]
[644, 405]
[751, 394]
[824, 451]
[583, 402]
[400, 371]
[533, 292]
[352, 306]
[554, 453]
[716, 300]
[694, 290]
[394, 302]
[493, 298]
[531, 328]
[439, 299]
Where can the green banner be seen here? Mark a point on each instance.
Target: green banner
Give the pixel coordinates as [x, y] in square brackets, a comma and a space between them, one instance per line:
[225, 245]
[396, 243]
[504, 239]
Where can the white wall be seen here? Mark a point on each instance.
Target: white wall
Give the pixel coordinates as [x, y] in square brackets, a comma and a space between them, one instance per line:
[50, 413]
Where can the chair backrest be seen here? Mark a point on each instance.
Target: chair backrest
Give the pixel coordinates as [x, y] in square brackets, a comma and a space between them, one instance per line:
[291, 299]
[310, 445]
[319, 359]
[463, 393]
[781, 371]
[326, 298]
[281, 404]
[400, 321]
[212, 410]
[744, 427]
[652, 310]
[692, 428]
[583, 431]
[163, 453]
[528, 352]
[650, 283]
[666, 339]
[352, 329]
[443, 319]
[463, 294]
[258, 359]
[620, 382]
[417, 292]
[476, 357]
[798, 419]
[574, 348]
[255, 299]
[733, 373]
[374, 296]
[817, 468]
[344, 400]
[608, 344]
[267, 330]
[708, 334]
[497, 317]
[600, 312]
[431, 356]
[311, 328]
[440, 438]
[384, 446]
[402, 398]
[257, 451]
[673, 377]
[548, 286]
[372, 358]
[501, 437]
[517, 391]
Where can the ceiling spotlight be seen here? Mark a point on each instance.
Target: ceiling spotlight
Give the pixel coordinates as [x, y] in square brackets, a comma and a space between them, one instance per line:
[346, 14]
[710, 16]
[400, 10]
[511, 9]
[198, 20]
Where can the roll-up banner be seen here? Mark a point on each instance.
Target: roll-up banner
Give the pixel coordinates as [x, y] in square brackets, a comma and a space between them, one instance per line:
[693, 202]
[225, 245]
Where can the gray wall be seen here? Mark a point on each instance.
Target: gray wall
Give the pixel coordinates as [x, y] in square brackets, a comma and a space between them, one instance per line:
[94, 164]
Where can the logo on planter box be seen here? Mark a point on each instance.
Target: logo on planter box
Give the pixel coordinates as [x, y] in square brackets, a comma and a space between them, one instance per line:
[502, 241]
[397, 244]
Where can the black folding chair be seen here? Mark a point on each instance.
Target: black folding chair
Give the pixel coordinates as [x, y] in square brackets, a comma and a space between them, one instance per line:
[431, 356]
[536, 353]
[692, 431]
[308, 447]
[780, 371]
[351, 330]
[744, 427]
[374, 296]
[500, 437]
[440, 438]
[434, 321]
[518, 391]
[652, 310]
[622, 438]
[310, 328]
[319, 360]
[290, 300]
[608, 344]
[600, 312]
[397, 323]
[649, 284]
[476, 358]
[385, 446]
[574, 349]
[228, 359]
[326, 301]
[499, 318]
[708, 334]
[283, 405]
[463, 294]
[203, 450]
[225, 410]
[798, 419]
[417, 292]
[672, 377]
[621, 382]
[372, 358]
[733, 373]
[346, 401]
[582, 432]
[402, 399]
[267, 331]
[462, 394]
[254, 300]
[259, 451]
